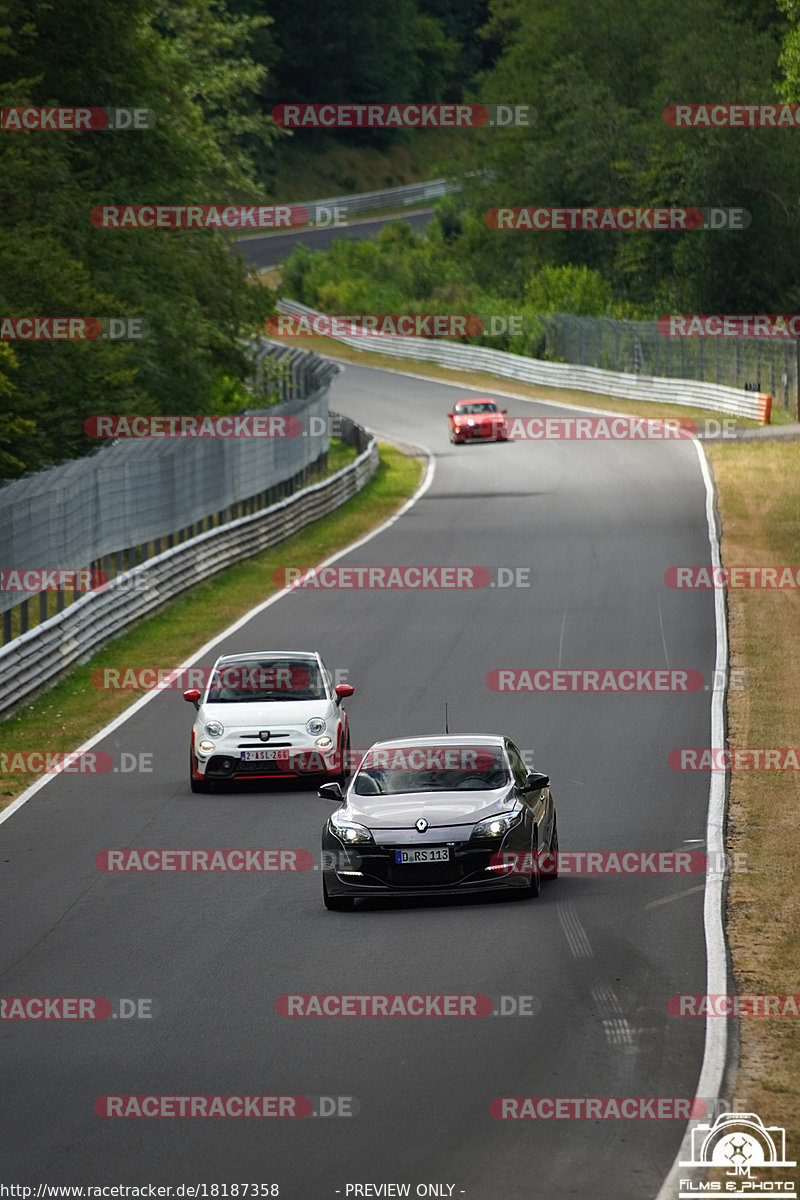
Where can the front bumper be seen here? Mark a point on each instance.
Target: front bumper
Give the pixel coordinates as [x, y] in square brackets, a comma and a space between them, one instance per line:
[371, 870]
[308, 763]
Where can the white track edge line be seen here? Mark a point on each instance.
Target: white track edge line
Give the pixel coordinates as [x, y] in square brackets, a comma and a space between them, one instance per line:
[715, 1051]
[31, 791]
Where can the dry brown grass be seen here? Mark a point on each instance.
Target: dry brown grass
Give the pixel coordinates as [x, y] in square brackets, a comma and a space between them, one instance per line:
[759, 500]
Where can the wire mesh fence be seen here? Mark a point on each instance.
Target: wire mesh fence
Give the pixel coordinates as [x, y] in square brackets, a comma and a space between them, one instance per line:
[755, 364]
[134, 497]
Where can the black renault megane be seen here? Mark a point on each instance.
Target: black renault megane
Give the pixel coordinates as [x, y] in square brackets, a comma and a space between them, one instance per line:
[432, 816]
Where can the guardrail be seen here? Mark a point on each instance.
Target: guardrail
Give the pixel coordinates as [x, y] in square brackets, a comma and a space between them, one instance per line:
[687, 392]
[36, 659]
[407, 194]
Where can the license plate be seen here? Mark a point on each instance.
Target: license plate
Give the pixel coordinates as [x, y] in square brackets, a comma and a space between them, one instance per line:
[264, 755]
[428, 855]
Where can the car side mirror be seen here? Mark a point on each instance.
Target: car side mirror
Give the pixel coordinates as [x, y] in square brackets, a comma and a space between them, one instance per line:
[504, 411]
[343, 690]
[331, 791]
[193, 696]
[535, 782]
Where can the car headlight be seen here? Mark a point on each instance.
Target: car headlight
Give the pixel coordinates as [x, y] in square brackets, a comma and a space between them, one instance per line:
[315, 725]
[206, 747]
[496, 827]
[323, 743]
[349, 831]
[214, 729]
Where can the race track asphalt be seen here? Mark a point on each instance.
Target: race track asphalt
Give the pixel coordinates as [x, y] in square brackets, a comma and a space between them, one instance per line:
[596, 524]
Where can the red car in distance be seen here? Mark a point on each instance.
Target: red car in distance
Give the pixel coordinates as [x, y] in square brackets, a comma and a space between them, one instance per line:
[477, 421]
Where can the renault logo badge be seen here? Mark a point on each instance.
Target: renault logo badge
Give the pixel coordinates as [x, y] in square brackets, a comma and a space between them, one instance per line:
[421, 825]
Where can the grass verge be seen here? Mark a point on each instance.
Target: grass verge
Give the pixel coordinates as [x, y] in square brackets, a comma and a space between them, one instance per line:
[69, 713]
[759, 499]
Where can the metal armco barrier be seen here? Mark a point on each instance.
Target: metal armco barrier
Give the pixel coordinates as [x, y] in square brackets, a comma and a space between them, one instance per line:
[407, 194]
[690, 393]
[37, 658]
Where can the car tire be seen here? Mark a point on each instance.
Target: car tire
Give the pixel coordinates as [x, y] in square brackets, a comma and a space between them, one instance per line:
[341, 778]
[197, 785]
[535, 885]
[337, 903]
[554, 851]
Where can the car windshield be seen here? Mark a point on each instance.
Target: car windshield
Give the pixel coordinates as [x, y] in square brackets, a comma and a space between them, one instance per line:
[486, 407]
[407, 769]
[266, 679]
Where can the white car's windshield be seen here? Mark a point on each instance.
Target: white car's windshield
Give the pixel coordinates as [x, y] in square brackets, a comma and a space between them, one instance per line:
[266, 679]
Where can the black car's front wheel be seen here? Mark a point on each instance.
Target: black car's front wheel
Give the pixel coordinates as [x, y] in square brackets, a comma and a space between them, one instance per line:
[552, 856]
[535, 885]
[337, 903]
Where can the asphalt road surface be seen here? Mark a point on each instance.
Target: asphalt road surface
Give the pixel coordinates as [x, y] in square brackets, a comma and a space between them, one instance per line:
[275, 247]
[596, 525]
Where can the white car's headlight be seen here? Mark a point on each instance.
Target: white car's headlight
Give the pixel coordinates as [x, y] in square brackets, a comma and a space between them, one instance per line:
[214, 729]
[323, 743]
[496, 827]
[350, 832]
[315, 725]
[206, 747]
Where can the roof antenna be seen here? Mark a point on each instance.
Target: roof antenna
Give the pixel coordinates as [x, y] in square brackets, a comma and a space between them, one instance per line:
[446, 726]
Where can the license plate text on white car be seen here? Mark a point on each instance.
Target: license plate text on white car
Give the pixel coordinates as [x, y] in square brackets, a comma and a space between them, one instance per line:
[429, 854]
[264, 755]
